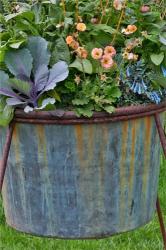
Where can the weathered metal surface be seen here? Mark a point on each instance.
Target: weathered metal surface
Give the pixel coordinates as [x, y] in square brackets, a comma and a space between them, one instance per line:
[83, 180]
[5, 154]
[69, 117]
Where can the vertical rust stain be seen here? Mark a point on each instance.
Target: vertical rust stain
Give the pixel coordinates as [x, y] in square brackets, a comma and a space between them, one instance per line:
[42, 145]
[123, 180]
[101, 165]
[134, 132]
[147, 145]
[19, 168]
[90, 143]
[102, 155]
[15, 143]
[44, 173]
[80, 142]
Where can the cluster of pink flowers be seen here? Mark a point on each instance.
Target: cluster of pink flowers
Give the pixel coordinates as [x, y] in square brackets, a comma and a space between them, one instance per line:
[104, 56]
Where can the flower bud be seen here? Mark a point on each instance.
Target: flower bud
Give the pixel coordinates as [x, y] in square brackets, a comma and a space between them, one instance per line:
[145, 8]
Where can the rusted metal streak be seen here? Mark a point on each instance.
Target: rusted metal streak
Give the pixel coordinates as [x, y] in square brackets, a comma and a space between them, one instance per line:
[161, 220]
[92, 120]
[61, 114]
[161, 133]
[3, 162]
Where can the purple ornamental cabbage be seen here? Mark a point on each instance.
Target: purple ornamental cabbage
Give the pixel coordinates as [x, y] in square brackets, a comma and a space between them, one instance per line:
[32, 75]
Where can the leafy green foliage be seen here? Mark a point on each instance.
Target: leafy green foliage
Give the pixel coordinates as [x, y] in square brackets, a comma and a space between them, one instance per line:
[71, 35]
[6, 113]
[82, 65]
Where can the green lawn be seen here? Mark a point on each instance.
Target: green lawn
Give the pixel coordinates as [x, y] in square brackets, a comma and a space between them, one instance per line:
[146, 238]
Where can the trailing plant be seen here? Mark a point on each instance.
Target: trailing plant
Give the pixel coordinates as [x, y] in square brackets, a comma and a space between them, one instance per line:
[114, 50]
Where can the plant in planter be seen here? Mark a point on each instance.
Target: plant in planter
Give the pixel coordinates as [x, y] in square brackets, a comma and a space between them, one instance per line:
[87, 174]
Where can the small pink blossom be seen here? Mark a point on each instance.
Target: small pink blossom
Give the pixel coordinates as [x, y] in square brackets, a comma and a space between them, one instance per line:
[110, 50]
[118, 4]
[97, 53]
[107, 62]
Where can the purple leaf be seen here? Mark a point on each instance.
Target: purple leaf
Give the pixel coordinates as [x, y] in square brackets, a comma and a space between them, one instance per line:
[14, 101]
[24, 78]
[41, 77]
[46, 102]
[38, 48]
[7, 92]
[58, 73]
[19, 62]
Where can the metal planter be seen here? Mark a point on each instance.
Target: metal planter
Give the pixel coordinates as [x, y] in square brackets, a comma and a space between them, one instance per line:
[74, 178]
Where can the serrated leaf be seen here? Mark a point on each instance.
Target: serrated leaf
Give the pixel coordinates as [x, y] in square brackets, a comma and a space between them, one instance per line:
[87, 112]
[109, 109]
[112, 91]
[157, 58]
[83, 65]
[19, 62]
[82, 101]
[38, 48]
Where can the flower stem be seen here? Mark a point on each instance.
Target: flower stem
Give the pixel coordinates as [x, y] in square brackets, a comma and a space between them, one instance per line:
[103, 9]
[119, 22]
[64, 7]
[77, 11]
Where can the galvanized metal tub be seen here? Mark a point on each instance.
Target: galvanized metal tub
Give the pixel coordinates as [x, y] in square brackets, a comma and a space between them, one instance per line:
[71, 177]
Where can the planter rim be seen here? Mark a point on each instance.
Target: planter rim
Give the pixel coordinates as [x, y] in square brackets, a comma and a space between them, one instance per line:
[69, 117]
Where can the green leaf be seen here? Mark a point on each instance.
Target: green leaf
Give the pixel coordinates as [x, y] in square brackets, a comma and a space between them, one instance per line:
[16, 44]
[38, 48]
[112, 91]
[104, 27]
[83, 65]
[87, 112]
[27, 26]
[60, 52]
[81, 101]
[152, 38]
[21, 86]
[157, 58]
[71, 86]
[6, 115]
[2, 103]
[19, 62]
[159, 80]
[53, 93]
[163, 39]
[109, 109]
[2, 53]
[29, 15]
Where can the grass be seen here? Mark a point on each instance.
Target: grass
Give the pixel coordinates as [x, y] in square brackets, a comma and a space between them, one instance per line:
[145, 238]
